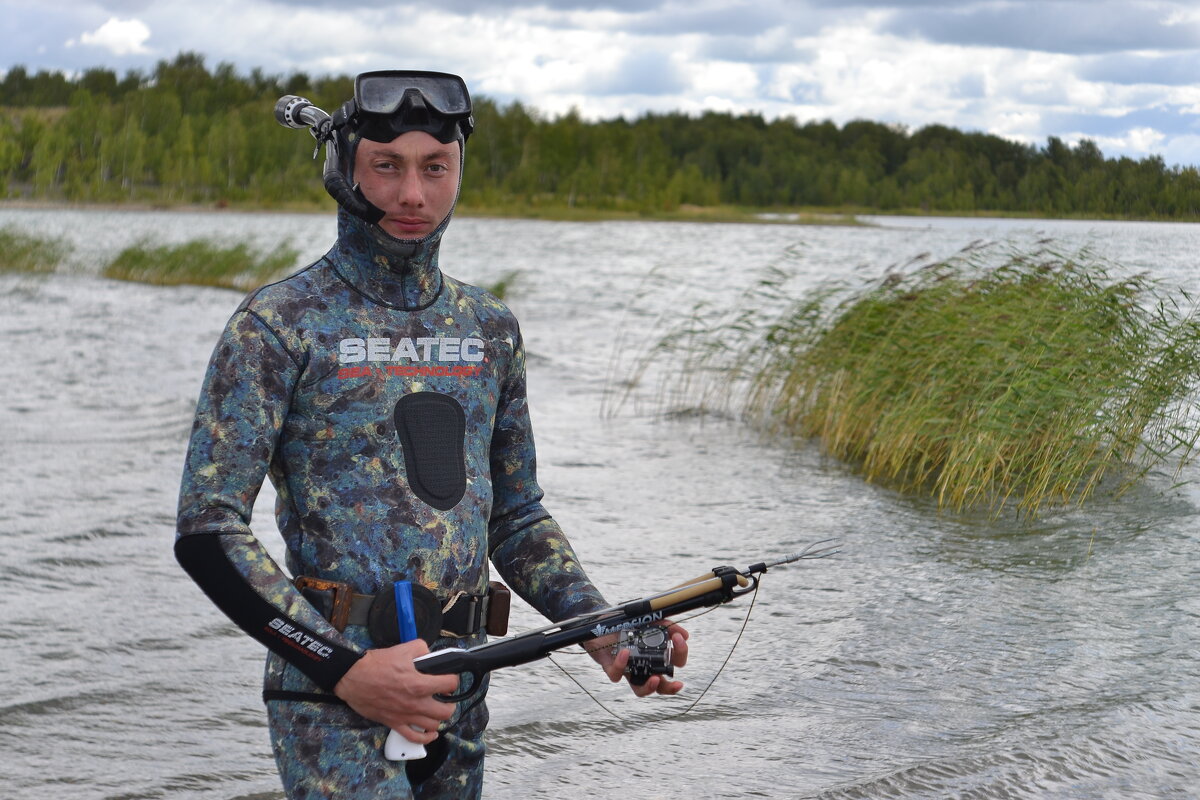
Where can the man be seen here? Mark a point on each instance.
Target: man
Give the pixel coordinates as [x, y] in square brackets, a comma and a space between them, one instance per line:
[387, 403]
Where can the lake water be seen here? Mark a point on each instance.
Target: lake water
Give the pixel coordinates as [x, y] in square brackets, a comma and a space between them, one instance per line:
[937, 656]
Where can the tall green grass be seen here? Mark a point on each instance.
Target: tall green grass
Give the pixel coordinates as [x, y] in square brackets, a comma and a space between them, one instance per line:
[502, 287]
[21, 252]
[1028, 382]
[200, 262]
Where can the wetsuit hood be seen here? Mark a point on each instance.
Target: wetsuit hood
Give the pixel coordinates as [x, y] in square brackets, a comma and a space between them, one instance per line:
[402, 273]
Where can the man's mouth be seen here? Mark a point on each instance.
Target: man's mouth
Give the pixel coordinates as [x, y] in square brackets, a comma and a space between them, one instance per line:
[408, 224]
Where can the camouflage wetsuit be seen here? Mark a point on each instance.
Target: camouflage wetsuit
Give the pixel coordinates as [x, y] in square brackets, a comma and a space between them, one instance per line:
[386, 401]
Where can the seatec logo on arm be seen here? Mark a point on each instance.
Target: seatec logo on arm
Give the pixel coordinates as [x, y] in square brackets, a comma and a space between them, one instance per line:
[423, 356]
[308, 645]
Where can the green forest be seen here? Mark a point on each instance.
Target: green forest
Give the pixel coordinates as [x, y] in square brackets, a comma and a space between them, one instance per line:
[189, 135]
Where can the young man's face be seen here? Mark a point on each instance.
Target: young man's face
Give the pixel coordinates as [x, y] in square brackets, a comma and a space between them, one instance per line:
[413, 178]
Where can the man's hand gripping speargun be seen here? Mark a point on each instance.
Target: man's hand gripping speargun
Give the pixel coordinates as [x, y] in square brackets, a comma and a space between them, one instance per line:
[632, 620]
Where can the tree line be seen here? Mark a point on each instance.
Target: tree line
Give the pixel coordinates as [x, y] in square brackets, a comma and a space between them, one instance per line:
[185, 134]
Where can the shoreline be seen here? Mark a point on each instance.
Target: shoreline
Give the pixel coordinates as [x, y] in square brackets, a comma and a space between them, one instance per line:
[710, 214]
[716, 214]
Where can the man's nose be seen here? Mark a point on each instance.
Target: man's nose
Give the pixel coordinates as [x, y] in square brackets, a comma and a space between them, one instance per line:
[410, 192]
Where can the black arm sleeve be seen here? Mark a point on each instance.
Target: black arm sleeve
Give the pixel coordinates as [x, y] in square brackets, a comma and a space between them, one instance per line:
[204, 558]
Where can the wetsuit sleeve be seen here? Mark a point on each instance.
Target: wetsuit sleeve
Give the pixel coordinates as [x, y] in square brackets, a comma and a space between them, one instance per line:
[242, 407]
[526, 545]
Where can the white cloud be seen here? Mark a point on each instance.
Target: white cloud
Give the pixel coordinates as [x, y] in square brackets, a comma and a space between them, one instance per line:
[117, 36]
[1182, 16]
[737, 83]
[1183, 150]
[1136, 140]
[808, 59]
[1018, 125]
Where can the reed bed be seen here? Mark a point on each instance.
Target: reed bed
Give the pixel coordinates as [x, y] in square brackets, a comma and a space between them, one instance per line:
[21, 252]
[503, 286]
[200, 262]
[1023, 383]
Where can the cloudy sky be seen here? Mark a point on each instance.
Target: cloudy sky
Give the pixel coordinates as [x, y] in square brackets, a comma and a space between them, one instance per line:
[1125, 73]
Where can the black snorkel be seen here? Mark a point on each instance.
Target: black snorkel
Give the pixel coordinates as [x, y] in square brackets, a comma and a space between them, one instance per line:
[292, 111]
[385, 104]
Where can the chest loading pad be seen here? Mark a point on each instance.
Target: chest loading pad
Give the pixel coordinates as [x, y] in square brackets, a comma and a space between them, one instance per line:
[432, 428]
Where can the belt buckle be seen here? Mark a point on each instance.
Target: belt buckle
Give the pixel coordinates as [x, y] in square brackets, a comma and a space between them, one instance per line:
[343, 598]
[479, 613]
[464, 615]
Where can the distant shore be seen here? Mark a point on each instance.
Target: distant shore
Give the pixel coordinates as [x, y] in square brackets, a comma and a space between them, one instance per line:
[685, 213]
[556, 213]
